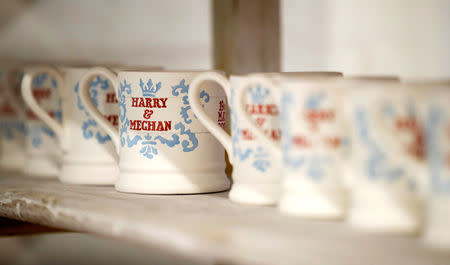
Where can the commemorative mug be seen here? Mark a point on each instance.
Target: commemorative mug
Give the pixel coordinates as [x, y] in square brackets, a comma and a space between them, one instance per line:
[435, 95]
[387, 153]
[12, 118]
[87, 157]
[162, 147]
[311, 183]
[256, 169]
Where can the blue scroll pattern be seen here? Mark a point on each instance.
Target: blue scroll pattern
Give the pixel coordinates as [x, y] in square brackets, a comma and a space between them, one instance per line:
[377, 164]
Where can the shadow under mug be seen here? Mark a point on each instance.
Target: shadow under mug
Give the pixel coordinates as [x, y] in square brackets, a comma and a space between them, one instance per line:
[162, 147]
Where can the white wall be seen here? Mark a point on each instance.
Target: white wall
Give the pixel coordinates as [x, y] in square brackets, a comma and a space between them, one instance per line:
[406, 37]
[170, 33]
[410, 38]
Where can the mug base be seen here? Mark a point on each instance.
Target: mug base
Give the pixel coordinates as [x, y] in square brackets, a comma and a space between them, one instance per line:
[12, 164]
[255, 194]
[172, 183]
[437, 232]
[385, 213]
[324, 204]
[89, 173]
[41, 168]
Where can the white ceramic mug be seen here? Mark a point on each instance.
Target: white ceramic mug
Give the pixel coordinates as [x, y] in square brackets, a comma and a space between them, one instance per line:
[256, 168]
[43, 154]
[12, 118]
[87, 148]
[436, 99]
[387, 149]
[311, 142]
[163, 148]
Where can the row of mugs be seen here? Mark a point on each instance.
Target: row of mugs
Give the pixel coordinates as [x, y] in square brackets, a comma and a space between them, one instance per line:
[304, 140]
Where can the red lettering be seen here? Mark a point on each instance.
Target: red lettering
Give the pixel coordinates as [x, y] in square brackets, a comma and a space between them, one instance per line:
[111, 98]
[31, 115]
[300, 141]
[260, 121]
[417, 147]
[147, 114]
[262, 109]
[141, 102]
[163, 100]
[149, 102]
[246, 135]
[221, 106]
[113, 119]
[138, 125]
[40, 94]
[132, 124]
[168, 125]
[134, 102]
[317, 116]
[7, 110]
[333, 142]
[221, 116]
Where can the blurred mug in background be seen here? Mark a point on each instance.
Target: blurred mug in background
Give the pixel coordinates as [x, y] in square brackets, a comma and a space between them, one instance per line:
[44, 86]
[87, 158]
[311, 125]
[257, 168]
[12, 118]
[348, 170]
[435, 102]
[386, 157]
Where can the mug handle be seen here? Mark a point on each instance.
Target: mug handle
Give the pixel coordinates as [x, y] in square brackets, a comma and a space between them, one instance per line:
[86, 100]
[30, 101]
[194, 100]
[241, 98]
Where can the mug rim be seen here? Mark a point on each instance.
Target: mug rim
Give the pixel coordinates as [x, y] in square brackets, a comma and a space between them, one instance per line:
[162, 71]
[293, 73]
[428, 83]
[374, 78]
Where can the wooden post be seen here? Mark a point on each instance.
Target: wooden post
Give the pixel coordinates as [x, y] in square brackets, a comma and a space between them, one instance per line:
[246, 36]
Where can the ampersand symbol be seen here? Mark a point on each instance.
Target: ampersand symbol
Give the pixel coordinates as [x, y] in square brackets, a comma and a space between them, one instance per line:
[148, 114]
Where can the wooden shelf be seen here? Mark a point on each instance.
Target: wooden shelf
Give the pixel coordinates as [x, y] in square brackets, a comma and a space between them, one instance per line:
[206, 228]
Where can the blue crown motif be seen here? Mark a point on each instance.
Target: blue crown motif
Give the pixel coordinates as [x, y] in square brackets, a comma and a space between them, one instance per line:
[259, 94]
[314, 101]
[149, 90]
